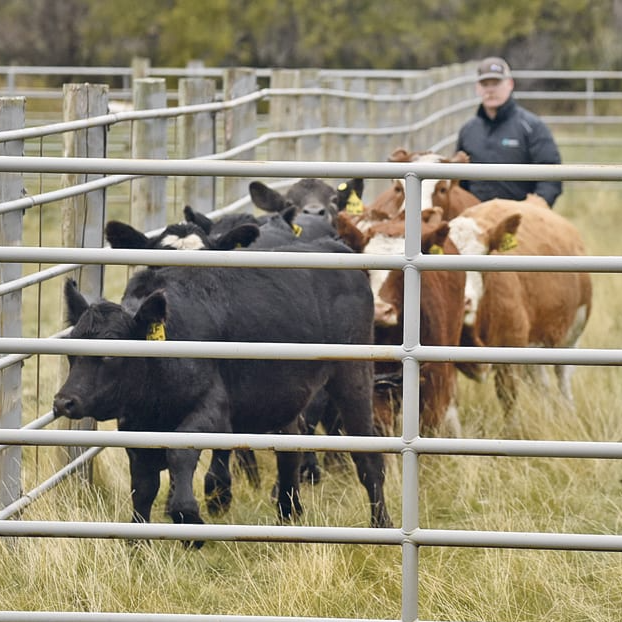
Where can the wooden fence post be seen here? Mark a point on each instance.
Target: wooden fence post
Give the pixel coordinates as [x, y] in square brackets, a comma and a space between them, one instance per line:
[83, 216]
[356, 117]
[149, 140]
[12, 117]
[334, 115]
[197, 138]
[283, 115]
[240, 125]
[309, 117]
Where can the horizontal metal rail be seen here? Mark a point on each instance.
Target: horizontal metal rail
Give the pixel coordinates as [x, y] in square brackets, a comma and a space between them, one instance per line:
[330, 535]
[52, 616]
[329, 170]
[327, 261]
[302, 442]
[309, 351]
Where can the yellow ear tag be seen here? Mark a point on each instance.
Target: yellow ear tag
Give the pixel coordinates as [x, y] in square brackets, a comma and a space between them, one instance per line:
[342, 186]
[508, 242]
[354, 204]
[156, 332]
[435, 249]
[297, 229]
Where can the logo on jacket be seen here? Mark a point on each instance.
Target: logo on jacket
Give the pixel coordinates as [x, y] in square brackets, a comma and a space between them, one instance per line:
[510, 142]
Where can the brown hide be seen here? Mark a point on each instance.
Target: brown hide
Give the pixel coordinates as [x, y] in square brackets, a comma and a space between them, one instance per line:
[527, 308]
[442, 313]
[447, 194]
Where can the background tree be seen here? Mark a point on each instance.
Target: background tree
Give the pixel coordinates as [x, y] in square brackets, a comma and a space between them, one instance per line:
[532, 34]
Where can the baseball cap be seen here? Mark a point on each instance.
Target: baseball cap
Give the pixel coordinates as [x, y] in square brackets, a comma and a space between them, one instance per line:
[493, 67]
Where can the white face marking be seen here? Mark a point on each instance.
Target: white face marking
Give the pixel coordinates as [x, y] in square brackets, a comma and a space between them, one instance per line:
[473, 292]
[464, 232]
[191, 242]
[382, 245]
[427, 189]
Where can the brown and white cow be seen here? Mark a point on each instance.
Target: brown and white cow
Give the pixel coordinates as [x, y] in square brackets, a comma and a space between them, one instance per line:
[442, 313]
[540, 309]
[445, 193]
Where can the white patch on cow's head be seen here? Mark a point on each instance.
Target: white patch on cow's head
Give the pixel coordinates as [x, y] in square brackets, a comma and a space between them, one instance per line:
[473, 292]
[465, 233]
[427, 190]
[382, 245]
[192, 242]
[428, 185]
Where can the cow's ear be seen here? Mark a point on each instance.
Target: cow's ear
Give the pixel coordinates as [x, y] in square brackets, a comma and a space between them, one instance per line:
[288, 215]
[503, 235]
[432, 241]
[358, 185]
[399, 155]
[75, 302]
[121, 235]
[151, 317]
[432, 215]
[239, 237]
[198, 219]
[350, 233]
[266, 198]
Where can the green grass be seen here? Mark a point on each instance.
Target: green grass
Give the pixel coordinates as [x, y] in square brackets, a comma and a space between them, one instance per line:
[474, 493]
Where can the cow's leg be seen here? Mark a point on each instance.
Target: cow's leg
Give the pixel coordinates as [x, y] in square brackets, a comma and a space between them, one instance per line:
[506, 386]
[351, 388]
[217, 483]
[288, 469]
[333, 425]
[145, 466]
[183, 507]
[288, 466]
[564, 375]
[311, 417]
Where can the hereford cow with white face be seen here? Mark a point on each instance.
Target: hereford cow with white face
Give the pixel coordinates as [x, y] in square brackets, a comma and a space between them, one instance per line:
[545, 309]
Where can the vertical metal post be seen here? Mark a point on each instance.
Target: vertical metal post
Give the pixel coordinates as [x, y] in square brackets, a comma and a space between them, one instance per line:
[12, 116]
[589, 111]
[410, 466]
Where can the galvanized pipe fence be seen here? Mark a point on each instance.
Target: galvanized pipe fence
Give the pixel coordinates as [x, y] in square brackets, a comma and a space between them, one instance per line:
[214, 165]
[410, 537]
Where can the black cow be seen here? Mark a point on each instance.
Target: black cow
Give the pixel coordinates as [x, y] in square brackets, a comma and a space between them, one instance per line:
[316, 203]
[209, 395]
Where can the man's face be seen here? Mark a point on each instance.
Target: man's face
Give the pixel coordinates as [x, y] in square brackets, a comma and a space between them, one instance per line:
[494, 93]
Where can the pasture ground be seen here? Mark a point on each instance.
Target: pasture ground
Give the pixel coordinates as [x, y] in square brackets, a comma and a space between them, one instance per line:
[547, 495]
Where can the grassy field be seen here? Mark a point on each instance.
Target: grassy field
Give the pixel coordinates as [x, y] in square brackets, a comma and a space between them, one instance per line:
[544, 495]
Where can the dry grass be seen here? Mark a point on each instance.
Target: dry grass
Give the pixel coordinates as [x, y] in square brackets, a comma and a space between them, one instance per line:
[544, 495]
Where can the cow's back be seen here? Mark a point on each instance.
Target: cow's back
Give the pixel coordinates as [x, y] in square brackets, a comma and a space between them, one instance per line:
[266, 305]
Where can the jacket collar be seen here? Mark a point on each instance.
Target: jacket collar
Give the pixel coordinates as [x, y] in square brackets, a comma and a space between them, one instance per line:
[503, 112]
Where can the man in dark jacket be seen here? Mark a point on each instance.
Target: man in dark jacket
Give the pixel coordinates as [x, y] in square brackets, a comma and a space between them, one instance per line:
[504, 132]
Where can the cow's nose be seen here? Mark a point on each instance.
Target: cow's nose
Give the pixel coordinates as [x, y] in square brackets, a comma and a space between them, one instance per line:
[314, 210]
[64, 406]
